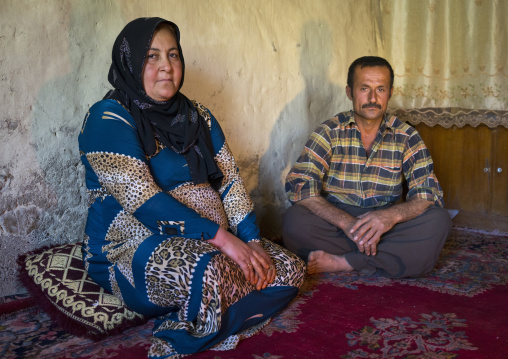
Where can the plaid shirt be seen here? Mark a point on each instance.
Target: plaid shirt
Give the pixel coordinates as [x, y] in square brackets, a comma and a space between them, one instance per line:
[334, 164]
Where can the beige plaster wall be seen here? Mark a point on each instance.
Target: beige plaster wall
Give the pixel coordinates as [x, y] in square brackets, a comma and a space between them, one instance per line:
[270, 71]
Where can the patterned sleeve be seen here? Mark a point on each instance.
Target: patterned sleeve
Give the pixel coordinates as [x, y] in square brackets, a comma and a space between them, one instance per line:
[235, 198]
[419, 171]
[305, 179]
[117, 172]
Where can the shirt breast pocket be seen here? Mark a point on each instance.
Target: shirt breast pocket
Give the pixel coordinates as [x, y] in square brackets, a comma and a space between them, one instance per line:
[390, 174]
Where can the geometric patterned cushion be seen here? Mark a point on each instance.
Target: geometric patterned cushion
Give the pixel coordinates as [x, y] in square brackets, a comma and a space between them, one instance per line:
[56, 278]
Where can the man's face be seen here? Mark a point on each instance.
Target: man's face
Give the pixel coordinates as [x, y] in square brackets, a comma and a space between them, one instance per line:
[370, 93]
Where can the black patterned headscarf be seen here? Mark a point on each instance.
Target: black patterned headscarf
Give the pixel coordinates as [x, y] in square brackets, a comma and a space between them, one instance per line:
[176, 123]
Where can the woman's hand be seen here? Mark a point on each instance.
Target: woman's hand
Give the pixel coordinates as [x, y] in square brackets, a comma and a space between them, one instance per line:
[251, 258]
[270, 271]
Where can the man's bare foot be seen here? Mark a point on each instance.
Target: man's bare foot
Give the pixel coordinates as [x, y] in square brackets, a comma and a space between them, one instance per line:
[321, 261]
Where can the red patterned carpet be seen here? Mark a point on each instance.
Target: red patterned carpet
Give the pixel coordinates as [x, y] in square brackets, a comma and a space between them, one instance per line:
[458, 311]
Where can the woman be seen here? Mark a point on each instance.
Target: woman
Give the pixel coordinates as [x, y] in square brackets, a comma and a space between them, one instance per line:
[170, 228]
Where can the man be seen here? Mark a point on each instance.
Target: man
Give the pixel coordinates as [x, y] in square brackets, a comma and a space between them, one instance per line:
[347, 184]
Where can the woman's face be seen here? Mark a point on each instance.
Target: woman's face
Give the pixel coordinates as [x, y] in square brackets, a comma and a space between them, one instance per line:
[162, 72]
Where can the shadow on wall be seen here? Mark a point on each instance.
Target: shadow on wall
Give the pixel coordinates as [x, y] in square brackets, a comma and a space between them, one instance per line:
[58, 114]
[316, 103]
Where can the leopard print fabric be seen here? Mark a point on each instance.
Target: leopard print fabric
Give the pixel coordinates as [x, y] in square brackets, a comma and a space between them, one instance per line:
[237, 202]
[162, 348]
[232, 341]
[114, 284]
[122, 256]
[217, 298]
[223, 285]
[95, 194]
[204, 113]
[290, 268]
[226, 163]
[203, 199]
[169, 271]
[126, 226]
[162, 224]
[126, 178]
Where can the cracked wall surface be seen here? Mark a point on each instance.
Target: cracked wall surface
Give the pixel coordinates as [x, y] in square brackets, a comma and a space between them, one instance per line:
[270, 71]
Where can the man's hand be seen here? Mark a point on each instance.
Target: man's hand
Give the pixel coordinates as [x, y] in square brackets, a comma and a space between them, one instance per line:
[369, 228]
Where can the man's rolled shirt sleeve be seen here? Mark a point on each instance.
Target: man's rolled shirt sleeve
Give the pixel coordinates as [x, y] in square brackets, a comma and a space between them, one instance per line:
[305, 178]
[419, 172]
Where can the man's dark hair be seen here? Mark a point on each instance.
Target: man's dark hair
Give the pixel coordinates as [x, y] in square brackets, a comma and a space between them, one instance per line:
[368, 61]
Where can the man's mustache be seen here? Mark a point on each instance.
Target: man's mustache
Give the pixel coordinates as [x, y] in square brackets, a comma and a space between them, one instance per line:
[373, 105]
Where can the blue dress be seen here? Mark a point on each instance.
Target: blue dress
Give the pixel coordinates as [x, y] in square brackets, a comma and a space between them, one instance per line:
[146, 232]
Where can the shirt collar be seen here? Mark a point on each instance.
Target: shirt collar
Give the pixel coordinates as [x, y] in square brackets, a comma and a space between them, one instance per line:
[386, 124]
